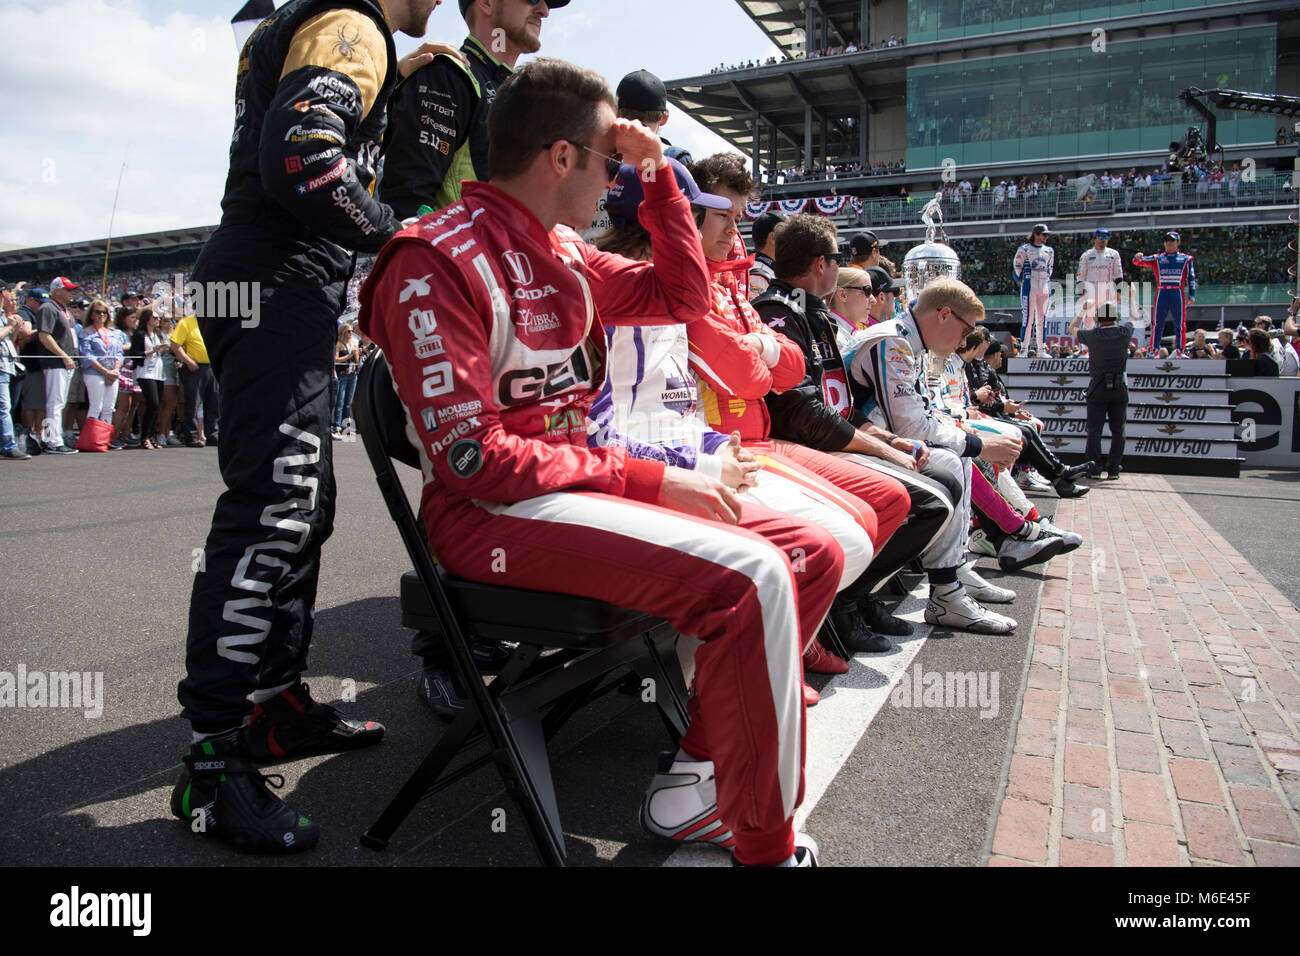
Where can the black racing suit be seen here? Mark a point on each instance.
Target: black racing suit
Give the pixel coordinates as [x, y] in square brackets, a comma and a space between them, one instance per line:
[312, 82]
[437, 130]
[813, 413]
[1035, 452]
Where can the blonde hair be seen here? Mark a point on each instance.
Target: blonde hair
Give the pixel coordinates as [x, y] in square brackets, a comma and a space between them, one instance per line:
[952, 293]
[852, 275]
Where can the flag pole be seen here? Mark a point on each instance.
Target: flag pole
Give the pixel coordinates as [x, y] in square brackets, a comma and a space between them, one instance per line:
[108, 244]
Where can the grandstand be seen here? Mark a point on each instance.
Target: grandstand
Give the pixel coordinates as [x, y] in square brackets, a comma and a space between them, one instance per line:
[996, 87]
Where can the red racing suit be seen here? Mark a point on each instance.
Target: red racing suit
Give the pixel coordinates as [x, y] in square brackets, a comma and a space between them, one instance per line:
[493, 328]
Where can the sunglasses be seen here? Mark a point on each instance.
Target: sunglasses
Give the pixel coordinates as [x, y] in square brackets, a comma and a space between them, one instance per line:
[612, 163]
[99, 311]
[970, 326]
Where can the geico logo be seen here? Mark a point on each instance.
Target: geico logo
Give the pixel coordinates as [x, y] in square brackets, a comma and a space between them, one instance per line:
[462, 428]
[525, 384]
[352, 210]
[541, 293]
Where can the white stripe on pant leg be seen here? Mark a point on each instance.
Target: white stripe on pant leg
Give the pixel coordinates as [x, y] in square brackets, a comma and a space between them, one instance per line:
[763, 564]
[779, 493]
[948, 547]
[1009, 490]
[911, 479]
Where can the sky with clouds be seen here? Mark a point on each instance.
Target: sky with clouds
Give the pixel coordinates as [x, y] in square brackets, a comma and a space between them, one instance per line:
[151, 84]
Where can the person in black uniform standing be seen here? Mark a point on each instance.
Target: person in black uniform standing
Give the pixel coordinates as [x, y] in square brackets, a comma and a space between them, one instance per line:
[268, 286]
[437, 132]
[1108, 388]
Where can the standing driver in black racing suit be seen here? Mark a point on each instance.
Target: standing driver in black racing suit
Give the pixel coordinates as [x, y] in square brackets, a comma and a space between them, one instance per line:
[312, 84]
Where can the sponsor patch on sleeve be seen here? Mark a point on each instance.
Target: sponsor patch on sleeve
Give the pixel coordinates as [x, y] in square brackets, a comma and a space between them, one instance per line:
[465, 458]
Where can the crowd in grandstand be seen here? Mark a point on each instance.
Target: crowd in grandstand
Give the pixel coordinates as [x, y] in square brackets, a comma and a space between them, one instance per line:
[797, 174]
[892, 40]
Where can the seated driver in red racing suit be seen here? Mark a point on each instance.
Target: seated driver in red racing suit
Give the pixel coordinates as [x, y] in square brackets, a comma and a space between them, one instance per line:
[491, 316]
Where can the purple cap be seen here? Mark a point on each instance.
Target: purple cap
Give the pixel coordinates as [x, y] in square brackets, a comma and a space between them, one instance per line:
[627, 193]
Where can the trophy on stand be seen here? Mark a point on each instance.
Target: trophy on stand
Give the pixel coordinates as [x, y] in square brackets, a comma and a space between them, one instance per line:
[931, 258]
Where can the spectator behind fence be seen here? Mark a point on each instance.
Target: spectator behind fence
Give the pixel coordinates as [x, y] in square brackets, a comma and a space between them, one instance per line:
[171, 387]
[13, 333]
[149, 344]
[129, 399]
[347, 353]
[1263, 364]
[101, 363]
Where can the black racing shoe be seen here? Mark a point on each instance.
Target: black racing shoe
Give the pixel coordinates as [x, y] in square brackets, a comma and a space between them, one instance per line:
[440, 691]
[880, 621]
[291, 724]
[220, 793]
[854, 633]
[1088, 468]
[1065, 488]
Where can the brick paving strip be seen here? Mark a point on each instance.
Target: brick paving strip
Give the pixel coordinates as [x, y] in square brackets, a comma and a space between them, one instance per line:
[1158, 722]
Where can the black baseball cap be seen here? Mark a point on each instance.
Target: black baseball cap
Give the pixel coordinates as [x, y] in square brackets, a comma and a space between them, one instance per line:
[131, 292]
[764, 226]
[1108, 311]
[882, 282]
[641, 90]
[1040, 227]
[862, 245]
[551, 4]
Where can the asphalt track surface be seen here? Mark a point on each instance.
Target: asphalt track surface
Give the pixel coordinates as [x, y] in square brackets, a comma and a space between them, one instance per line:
[97, 557]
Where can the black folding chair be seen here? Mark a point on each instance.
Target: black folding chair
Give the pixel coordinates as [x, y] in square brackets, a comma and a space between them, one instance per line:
[570, 650]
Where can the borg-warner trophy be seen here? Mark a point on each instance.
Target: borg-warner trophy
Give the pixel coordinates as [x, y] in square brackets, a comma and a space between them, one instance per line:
[932, 258]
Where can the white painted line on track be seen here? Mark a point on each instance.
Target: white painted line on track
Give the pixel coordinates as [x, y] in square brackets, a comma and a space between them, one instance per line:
[849, 704]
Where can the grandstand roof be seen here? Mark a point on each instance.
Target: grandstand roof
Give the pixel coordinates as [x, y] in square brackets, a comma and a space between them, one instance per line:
[783, 20]
[144, 242]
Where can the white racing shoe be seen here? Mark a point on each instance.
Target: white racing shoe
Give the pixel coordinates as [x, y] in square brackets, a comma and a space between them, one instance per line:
[950, 606]
[979, 543]
[981, 590]
[681, 803]
[1031, 480]
[1071, 539]
[1016, 553]
[805, 852]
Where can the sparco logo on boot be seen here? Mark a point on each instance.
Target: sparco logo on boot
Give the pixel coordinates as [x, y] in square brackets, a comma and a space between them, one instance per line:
[352, 210]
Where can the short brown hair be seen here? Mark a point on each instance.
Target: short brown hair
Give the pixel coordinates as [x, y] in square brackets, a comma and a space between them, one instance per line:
[1261, 343]
[800, 240]
[953, 293]
[724, 171]
[645, 116]
[546, 101]
[632, 241]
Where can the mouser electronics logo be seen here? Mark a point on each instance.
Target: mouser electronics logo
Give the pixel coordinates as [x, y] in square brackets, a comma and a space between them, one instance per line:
[352, 210]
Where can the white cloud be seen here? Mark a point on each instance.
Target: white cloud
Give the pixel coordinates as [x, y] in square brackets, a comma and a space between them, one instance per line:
[93, 82]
